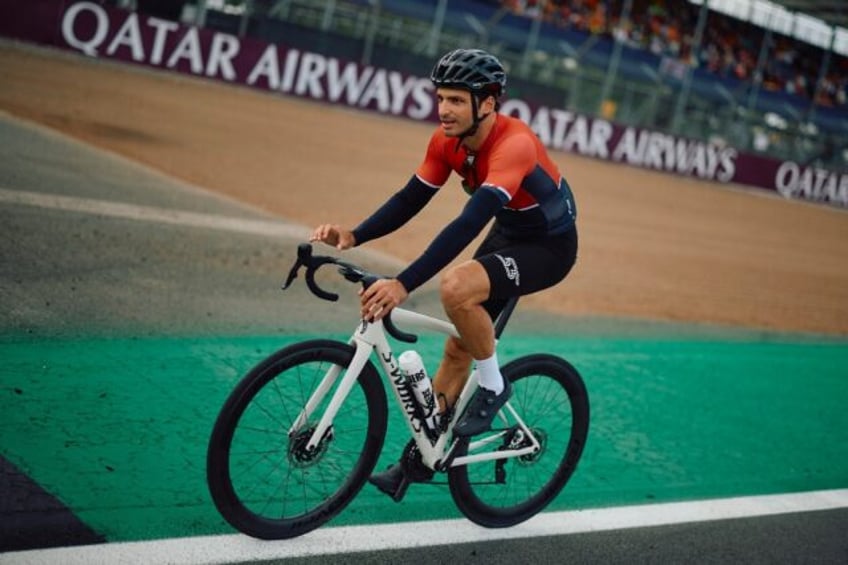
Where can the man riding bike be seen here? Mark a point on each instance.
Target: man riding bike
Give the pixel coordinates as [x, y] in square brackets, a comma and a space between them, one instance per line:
[531, 245]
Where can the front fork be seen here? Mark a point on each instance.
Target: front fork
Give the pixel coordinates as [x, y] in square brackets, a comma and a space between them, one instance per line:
[348, 380]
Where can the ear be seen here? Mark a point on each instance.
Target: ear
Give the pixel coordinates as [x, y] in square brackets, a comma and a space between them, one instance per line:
[487, 104]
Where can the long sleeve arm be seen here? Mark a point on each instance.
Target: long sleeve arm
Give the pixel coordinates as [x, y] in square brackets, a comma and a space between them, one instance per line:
[396, 211]
[455, 237]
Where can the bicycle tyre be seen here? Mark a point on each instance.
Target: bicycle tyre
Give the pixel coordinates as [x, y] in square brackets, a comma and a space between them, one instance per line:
[262, 481]
[551, 398]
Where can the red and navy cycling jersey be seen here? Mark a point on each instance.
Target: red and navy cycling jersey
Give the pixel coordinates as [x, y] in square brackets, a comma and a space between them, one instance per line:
[510, 178]
[512, 161]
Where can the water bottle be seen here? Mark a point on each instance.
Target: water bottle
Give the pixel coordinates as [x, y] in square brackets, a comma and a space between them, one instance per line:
[416, 374]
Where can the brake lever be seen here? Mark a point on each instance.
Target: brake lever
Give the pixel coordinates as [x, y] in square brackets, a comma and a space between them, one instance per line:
[304, 257]
[312, 264]
[292, 273]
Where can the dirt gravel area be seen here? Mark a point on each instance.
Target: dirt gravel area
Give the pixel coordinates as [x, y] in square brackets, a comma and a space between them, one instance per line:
[652, 245]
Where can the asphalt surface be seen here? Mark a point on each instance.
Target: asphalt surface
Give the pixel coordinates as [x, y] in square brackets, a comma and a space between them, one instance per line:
[814, 537]
[65, 271]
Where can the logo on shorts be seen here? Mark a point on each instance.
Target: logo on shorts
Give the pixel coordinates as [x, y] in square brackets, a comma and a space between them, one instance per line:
[511, 268]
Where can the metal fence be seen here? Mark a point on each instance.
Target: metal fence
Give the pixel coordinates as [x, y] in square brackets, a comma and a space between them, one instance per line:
[570, 71]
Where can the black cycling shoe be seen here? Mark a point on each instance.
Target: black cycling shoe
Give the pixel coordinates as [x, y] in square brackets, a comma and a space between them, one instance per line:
[392, 482]
[396, 478]
[480, 412]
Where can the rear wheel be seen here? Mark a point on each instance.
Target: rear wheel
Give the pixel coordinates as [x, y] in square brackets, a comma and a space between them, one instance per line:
[263, 479]
[551, 399]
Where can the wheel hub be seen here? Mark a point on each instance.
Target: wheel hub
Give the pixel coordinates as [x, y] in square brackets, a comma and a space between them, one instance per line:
[517, 439]
[299, 453]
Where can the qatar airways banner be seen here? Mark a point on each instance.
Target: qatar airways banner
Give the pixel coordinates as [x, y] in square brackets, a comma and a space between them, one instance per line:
[96, 31]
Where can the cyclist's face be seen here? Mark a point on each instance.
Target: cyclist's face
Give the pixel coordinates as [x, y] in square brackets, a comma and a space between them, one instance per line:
[455, 111]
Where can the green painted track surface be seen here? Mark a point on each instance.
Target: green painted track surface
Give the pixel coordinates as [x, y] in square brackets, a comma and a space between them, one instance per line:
[117, 428]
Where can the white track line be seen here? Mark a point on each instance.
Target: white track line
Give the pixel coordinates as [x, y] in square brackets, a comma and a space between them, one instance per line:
[151, 214]
[266, 228]
[352, 539]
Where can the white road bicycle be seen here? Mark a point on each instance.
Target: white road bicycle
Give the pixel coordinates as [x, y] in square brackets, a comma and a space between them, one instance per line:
[299, 435]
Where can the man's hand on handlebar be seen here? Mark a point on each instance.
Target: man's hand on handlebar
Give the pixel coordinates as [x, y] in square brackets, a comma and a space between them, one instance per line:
[335, 235]
[379, 298]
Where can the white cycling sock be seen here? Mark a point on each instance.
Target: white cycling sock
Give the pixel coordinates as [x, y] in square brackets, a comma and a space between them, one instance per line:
[489, 374]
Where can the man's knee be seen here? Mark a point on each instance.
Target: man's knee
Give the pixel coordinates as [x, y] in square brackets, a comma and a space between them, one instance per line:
[451, 289]
[464, 285]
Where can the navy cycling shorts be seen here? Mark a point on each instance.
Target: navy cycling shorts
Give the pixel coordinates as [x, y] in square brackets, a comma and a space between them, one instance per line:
[517, 267]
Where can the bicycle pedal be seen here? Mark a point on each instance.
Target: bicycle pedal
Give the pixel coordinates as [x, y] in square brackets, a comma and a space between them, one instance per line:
[400, 491]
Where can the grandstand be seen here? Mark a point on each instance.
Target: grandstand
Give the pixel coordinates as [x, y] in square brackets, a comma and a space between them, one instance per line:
[749, 74]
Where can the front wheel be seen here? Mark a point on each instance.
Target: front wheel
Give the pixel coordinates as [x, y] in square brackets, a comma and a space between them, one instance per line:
[262, 477]
[551, 399]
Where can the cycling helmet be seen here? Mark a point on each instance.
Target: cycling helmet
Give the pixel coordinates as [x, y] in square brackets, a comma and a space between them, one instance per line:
[470, 69]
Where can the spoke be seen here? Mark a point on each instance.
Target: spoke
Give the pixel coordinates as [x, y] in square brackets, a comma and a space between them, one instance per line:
[271, 432]
[282, 398]
[258, 405]
[256, 483]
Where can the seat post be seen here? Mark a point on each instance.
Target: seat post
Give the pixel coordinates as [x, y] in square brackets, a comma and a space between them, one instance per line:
[503, 317]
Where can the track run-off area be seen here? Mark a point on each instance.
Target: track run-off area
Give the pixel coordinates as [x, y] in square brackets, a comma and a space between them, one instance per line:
[133, 304]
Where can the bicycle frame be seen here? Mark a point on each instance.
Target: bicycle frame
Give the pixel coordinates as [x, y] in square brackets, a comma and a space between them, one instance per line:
[370, 337]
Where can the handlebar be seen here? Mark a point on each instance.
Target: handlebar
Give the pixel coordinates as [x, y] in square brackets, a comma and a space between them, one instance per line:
[349, 271]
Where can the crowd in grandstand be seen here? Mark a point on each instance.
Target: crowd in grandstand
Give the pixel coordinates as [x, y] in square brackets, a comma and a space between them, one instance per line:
[729, 47]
